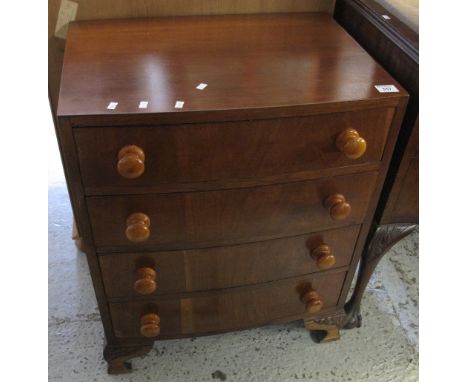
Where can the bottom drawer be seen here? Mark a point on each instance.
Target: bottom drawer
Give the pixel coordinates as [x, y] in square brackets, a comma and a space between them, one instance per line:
[228, 309]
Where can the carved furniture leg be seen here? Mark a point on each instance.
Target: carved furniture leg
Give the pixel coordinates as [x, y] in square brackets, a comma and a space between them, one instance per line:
[325, 329]
[384, 238]
[117, 357]
[76, 236]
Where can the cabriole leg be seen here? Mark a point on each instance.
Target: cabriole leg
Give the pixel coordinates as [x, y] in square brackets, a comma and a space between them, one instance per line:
[384, 238]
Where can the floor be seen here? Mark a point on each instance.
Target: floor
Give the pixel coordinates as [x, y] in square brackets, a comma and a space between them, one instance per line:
[385, 349]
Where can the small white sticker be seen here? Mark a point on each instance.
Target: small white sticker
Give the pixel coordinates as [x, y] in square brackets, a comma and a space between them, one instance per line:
[386, 17]
[143, 105]
[387, 88]
[112, 105]
[179, 104]
[201, 86]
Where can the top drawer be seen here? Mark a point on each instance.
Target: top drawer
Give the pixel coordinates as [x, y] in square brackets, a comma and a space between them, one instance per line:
[226, 151]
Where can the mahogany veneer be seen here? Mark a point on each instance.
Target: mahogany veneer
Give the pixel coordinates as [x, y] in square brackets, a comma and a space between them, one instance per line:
[229, 309]
[249, 205]
[209, 218]
[228, 150]
[396, 47]
[223, 267]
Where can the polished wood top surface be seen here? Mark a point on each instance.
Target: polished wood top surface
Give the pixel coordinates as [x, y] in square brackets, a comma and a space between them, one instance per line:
[248, 61]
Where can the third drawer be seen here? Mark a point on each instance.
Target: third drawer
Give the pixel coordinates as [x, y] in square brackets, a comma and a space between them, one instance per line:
[224, 267]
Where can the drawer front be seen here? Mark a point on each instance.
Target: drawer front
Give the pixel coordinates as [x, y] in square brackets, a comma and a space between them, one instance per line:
[223, 217]
[228, 150]
[228, 309]
[224, 267]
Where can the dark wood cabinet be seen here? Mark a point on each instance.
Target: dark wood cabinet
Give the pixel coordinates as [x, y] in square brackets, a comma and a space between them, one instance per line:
[249, 205]
[396, 47]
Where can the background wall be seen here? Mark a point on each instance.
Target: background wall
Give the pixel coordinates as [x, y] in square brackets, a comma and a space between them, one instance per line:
[113, 9]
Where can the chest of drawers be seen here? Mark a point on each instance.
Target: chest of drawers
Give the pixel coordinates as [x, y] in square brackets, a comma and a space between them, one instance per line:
[250, 204]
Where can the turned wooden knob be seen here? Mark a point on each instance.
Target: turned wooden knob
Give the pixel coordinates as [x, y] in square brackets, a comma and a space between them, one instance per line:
[150, 325]
[323, 256]
[145, 280]
[337, 206]
[351, 144]
[138, 227]
[131, 162]
[312, 301]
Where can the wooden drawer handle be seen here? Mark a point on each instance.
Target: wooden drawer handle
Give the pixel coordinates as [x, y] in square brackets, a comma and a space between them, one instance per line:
[150, 325]
[145, 280]
[337, 206]
[312, 301]
[351, 144]
[323, 256]
[138, 227]
[131, 162]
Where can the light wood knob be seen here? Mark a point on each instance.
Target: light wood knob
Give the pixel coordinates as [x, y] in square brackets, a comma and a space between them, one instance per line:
[337, 206]
[145, 280]
[131, 162]
[150, 325]
[138, 227]
[323, 256]
[312, 301]
[351, 144]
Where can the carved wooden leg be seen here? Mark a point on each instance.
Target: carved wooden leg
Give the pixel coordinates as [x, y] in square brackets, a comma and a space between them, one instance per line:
[117, 357]
[325, 329]
[384, 238]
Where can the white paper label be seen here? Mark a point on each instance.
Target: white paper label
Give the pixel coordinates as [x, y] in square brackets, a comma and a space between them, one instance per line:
[143, 105]
[112, 105]
[179, 104]
[201, 86]
[386, 17]
[387, 88]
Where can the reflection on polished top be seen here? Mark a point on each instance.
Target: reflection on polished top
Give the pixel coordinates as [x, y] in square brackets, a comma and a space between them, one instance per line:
[247, 61]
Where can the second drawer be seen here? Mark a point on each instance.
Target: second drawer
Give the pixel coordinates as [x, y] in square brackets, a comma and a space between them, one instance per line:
[131, 274]
[225, 217]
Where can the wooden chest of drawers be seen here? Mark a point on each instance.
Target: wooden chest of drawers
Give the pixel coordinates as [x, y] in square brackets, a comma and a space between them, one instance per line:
[251, 203]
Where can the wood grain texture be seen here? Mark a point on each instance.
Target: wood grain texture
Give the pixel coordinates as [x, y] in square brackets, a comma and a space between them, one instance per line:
[80, 213]
[212, 218]
[240, 240]
[396, 47]
[230, 309]
[402, 204]
[117, 9]
[370, 214]
[113, 9]
[292, 65]
[226, 267]
[190, 153]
